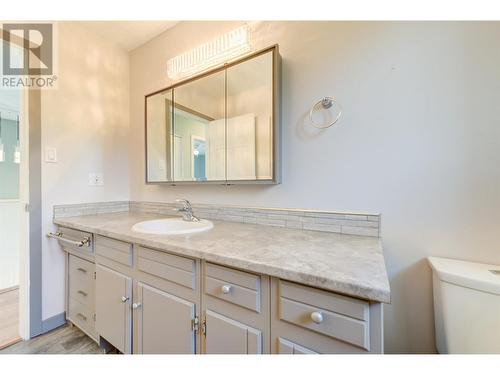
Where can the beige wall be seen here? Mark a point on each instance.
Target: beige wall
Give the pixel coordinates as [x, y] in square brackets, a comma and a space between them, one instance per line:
[418, 141]
[86, 118]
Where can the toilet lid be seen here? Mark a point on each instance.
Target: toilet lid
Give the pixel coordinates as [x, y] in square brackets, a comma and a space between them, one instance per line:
[467, 274]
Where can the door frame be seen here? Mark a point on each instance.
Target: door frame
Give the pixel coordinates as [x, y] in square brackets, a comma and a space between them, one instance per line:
[30, 252]
[24, 243]
[30, 196]
[34, 209]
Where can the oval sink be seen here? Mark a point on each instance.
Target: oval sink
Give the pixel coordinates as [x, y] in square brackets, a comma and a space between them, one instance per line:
[172, 226]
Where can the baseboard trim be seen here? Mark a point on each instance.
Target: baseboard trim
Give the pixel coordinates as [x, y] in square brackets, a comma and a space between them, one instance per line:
[53, 322]
[9, 289]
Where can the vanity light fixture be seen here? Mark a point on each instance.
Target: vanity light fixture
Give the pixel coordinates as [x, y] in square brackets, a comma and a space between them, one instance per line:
[210, 54]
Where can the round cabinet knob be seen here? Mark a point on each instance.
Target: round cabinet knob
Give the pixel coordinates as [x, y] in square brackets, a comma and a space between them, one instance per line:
[226, 289]
[124, 299]
[316, 317]
[136, 305]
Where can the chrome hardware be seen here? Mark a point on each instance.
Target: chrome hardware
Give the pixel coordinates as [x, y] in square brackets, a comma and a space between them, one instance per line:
[124, 299]
[316, 317]
[204, 328]
[81, 316]
[82, 293]
[81, 269]
[186, 210]
[226, 289]
[325, 103]
[136, 305]
[195, 324]
[59, 237]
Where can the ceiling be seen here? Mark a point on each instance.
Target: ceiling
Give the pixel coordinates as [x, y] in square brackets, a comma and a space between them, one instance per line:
[128, 34]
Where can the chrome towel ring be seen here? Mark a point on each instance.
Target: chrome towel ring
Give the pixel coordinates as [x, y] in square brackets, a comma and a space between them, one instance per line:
[326, 103]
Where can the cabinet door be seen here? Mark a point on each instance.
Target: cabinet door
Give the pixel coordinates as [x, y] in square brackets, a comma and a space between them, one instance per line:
[227, 336]
[288, 347]
[165, 322]
[113, 313]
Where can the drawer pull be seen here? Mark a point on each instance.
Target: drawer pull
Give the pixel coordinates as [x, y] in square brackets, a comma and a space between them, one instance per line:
[82, 293]
[226, 289]
[81, 269]
[81, 316]
[316, 317]
[136, 305]
[124, 299]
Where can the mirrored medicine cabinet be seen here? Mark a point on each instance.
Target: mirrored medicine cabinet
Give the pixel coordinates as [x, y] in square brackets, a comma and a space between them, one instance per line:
[220, 127]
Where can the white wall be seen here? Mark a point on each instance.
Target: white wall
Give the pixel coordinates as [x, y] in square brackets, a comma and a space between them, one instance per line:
[86, 118]
[419, 141]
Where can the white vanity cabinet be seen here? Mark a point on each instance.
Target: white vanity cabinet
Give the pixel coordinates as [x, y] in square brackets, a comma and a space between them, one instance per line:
[307, 320]
[80, 281]
[114, 292]
[165, 322]
[113, 315]
[166, 303]
[81, 294]
[151, 301]
[235, 311]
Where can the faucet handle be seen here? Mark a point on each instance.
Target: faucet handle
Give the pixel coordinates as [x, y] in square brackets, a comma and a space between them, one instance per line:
[185, 202]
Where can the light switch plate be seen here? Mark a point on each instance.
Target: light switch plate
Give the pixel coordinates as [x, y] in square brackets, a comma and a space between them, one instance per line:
[50, 155]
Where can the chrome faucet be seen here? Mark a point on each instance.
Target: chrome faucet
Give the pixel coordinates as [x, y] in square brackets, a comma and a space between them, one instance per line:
[186, 210]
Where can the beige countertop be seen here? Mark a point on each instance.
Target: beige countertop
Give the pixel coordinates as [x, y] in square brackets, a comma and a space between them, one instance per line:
[347, 264]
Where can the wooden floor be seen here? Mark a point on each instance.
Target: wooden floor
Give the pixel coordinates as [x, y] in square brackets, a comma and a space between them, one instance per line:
[64, 340]
[9, 317]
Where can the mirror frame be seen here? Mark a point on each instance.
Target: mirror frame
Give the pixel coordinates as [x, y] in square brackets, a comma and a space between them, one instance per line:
[276, 121]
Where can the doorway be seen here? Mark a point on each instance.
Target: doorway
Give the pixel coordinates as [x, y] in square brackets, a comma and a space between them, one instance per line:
[17, 318]
[10, 215]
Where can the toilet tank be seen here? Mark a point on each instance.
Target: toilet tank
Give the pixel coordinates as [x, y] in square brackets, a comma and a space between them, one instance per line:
[466, 306]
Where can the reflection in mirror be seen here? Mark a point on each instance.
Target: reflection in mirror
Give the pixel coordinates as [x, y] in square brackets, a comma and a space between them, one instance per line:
[199, 133]
[250, 118]
[159, 136]
[199, 159]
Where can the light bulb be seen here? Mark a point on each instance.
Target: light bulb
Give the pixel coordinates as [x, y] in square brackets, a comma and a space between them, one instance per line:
[17, 154]
[196, 152]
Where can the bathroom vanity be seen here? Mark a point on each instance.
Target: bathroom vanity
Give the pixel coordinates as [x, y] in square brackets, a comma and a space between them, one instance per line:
[238, 288]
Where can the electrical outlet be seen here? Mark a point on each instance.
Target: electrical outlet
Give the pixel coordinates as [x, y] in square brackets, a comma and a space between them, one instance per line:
[96, 179]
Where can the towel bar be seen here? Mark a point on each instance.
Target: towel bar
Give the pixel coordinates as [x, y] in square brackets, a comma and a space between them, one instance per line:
[59, 236]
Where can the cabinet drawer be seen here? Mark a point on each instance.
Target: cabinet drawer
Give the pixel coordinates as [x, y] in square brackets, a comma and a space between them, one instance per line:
[352, 307]
[81, 281]
[81, 271]
[238, 287]
[82, 316]
[118, 251]
[330, 314]
[170, 267]
[76, 235]
[338, 326]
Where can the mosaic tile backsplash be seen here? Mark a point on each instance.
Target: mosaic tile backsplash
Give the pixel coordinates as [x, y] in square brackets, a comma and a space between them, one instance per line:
[326, 221]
